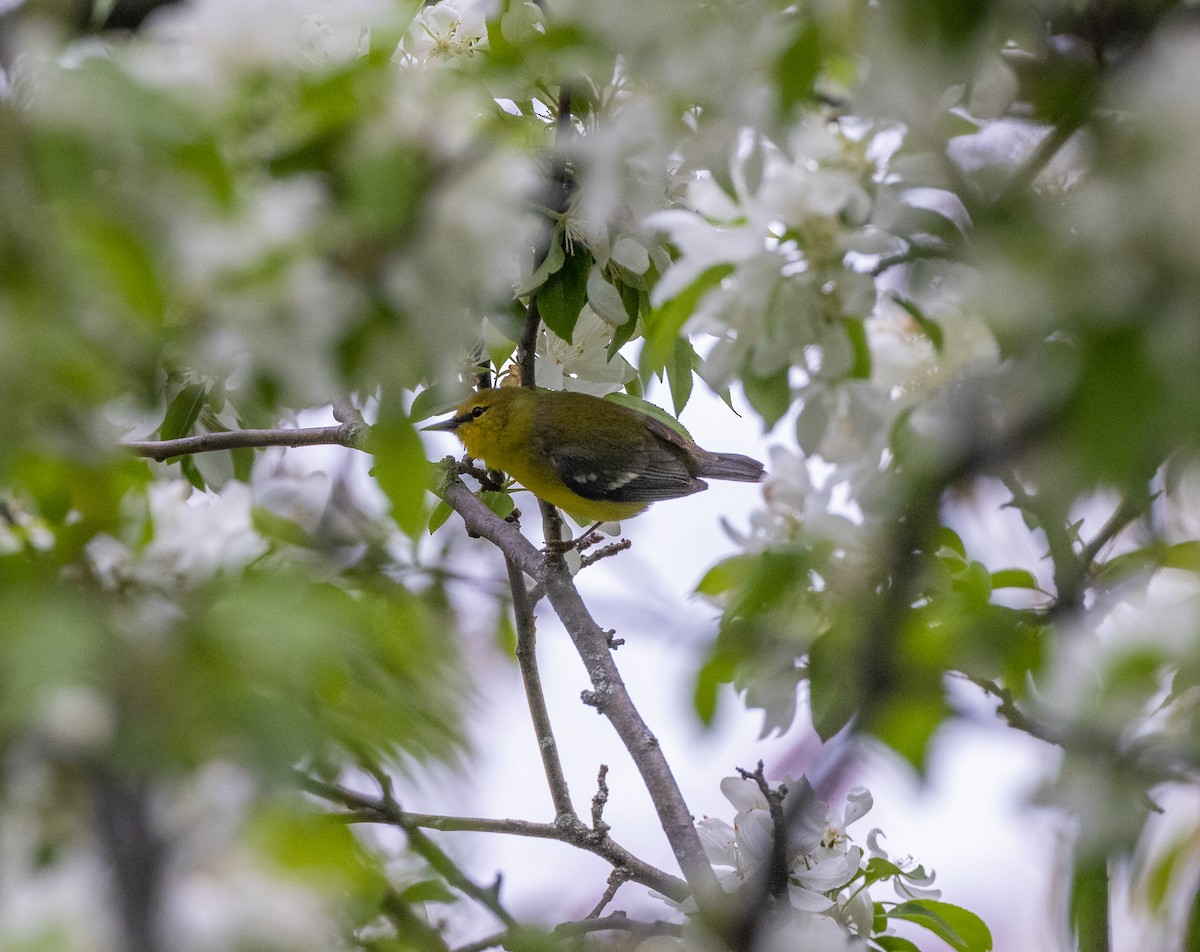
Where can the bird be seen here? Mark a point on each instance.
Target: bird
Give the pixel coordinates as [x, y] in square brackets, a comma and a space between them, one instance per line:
[597, 460]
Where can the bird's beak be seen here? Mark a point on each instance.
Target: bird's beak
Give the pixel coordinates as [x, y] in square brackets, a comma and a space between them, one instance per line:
[446, 426]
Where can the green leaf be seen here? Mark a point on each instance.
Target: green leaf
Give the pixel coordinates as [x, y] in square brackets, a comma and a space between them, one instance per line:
[555, 257]
[728, 574]
[1127, 564]
[664, 324]
[183, 412]
[187, 466]
[879, 869]
[950, 539]
[1013, 578]
[562, 297]
[123, 261]
[1182, 555]
[680, 374]
[243, 463]
[428, 890]
[499, 502]
[894, 943]
[315, 848]
[400, 467]
[909, 719]
[1160, 875]
[437, 518]
[274, 526]
[974, 583]
[505, 637]
[770, 396]
[718, 669]
[1192, 939]
[963, 931]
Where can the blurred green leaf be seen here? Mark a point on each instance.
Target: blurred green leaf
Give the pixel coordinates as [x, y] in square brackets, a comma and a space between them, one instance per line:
[770, 396]
[799, 65]
[929, 327]
[400, 467]
[436, 400]
[1013, 578]
[857, 334]
[663, 325]
[727, 575]
[437, 518]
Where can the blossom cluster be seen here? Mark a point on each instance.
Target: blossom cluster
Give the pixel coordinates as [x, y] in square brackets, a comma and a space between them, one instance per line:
[829, 877]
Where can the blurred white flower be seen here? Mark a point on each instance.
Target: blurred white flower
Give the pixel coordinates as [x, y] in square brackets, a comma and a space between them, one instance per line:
[78, 719]
[299, 497]
[211, 44]
[795, 505]
[783, 236]
[200, 535]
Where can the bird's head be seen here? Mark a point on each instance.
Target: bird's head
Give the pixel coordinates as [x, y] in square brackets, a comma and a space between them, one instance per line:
[482, 411]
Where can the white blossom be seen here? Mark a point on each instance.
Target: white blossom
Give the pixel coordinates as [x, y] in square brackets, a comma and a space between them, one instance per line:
[583, 364]
[445, 31]
[830, 904]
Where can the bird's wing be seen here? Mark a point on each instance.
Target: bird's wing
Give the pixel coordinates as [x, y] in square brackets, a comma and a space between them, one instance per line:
[654, 472]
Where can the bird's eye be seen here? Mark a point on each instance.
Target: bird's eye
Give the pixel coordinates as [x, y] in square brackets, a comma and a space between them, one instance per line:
[477, 413]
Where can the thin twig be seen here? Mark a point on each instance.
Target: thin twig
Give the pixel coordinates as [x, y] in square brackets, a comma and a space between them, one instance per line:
[600, 800]
[535, 698]
[1146, 757]
[367, 809]
[344, 411]
[487, 942]
[604, 552]
[1130, 508]
[616, 879]
[387, 806]
[777, 868]
[344, 434]
[618, 921]
[613, 700]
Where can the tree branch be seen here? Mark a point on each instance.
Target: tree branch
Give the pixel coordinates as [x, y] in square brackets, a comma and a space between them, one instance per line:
[387, 806]
[617, 922]
[560, 795]
[611, 696]
[612, 699]
[351, 434]
[367, 809]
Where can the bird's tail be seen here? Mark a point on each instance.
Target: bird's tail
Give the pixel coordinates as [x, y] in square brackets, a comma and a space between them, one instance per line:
[733, 466]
